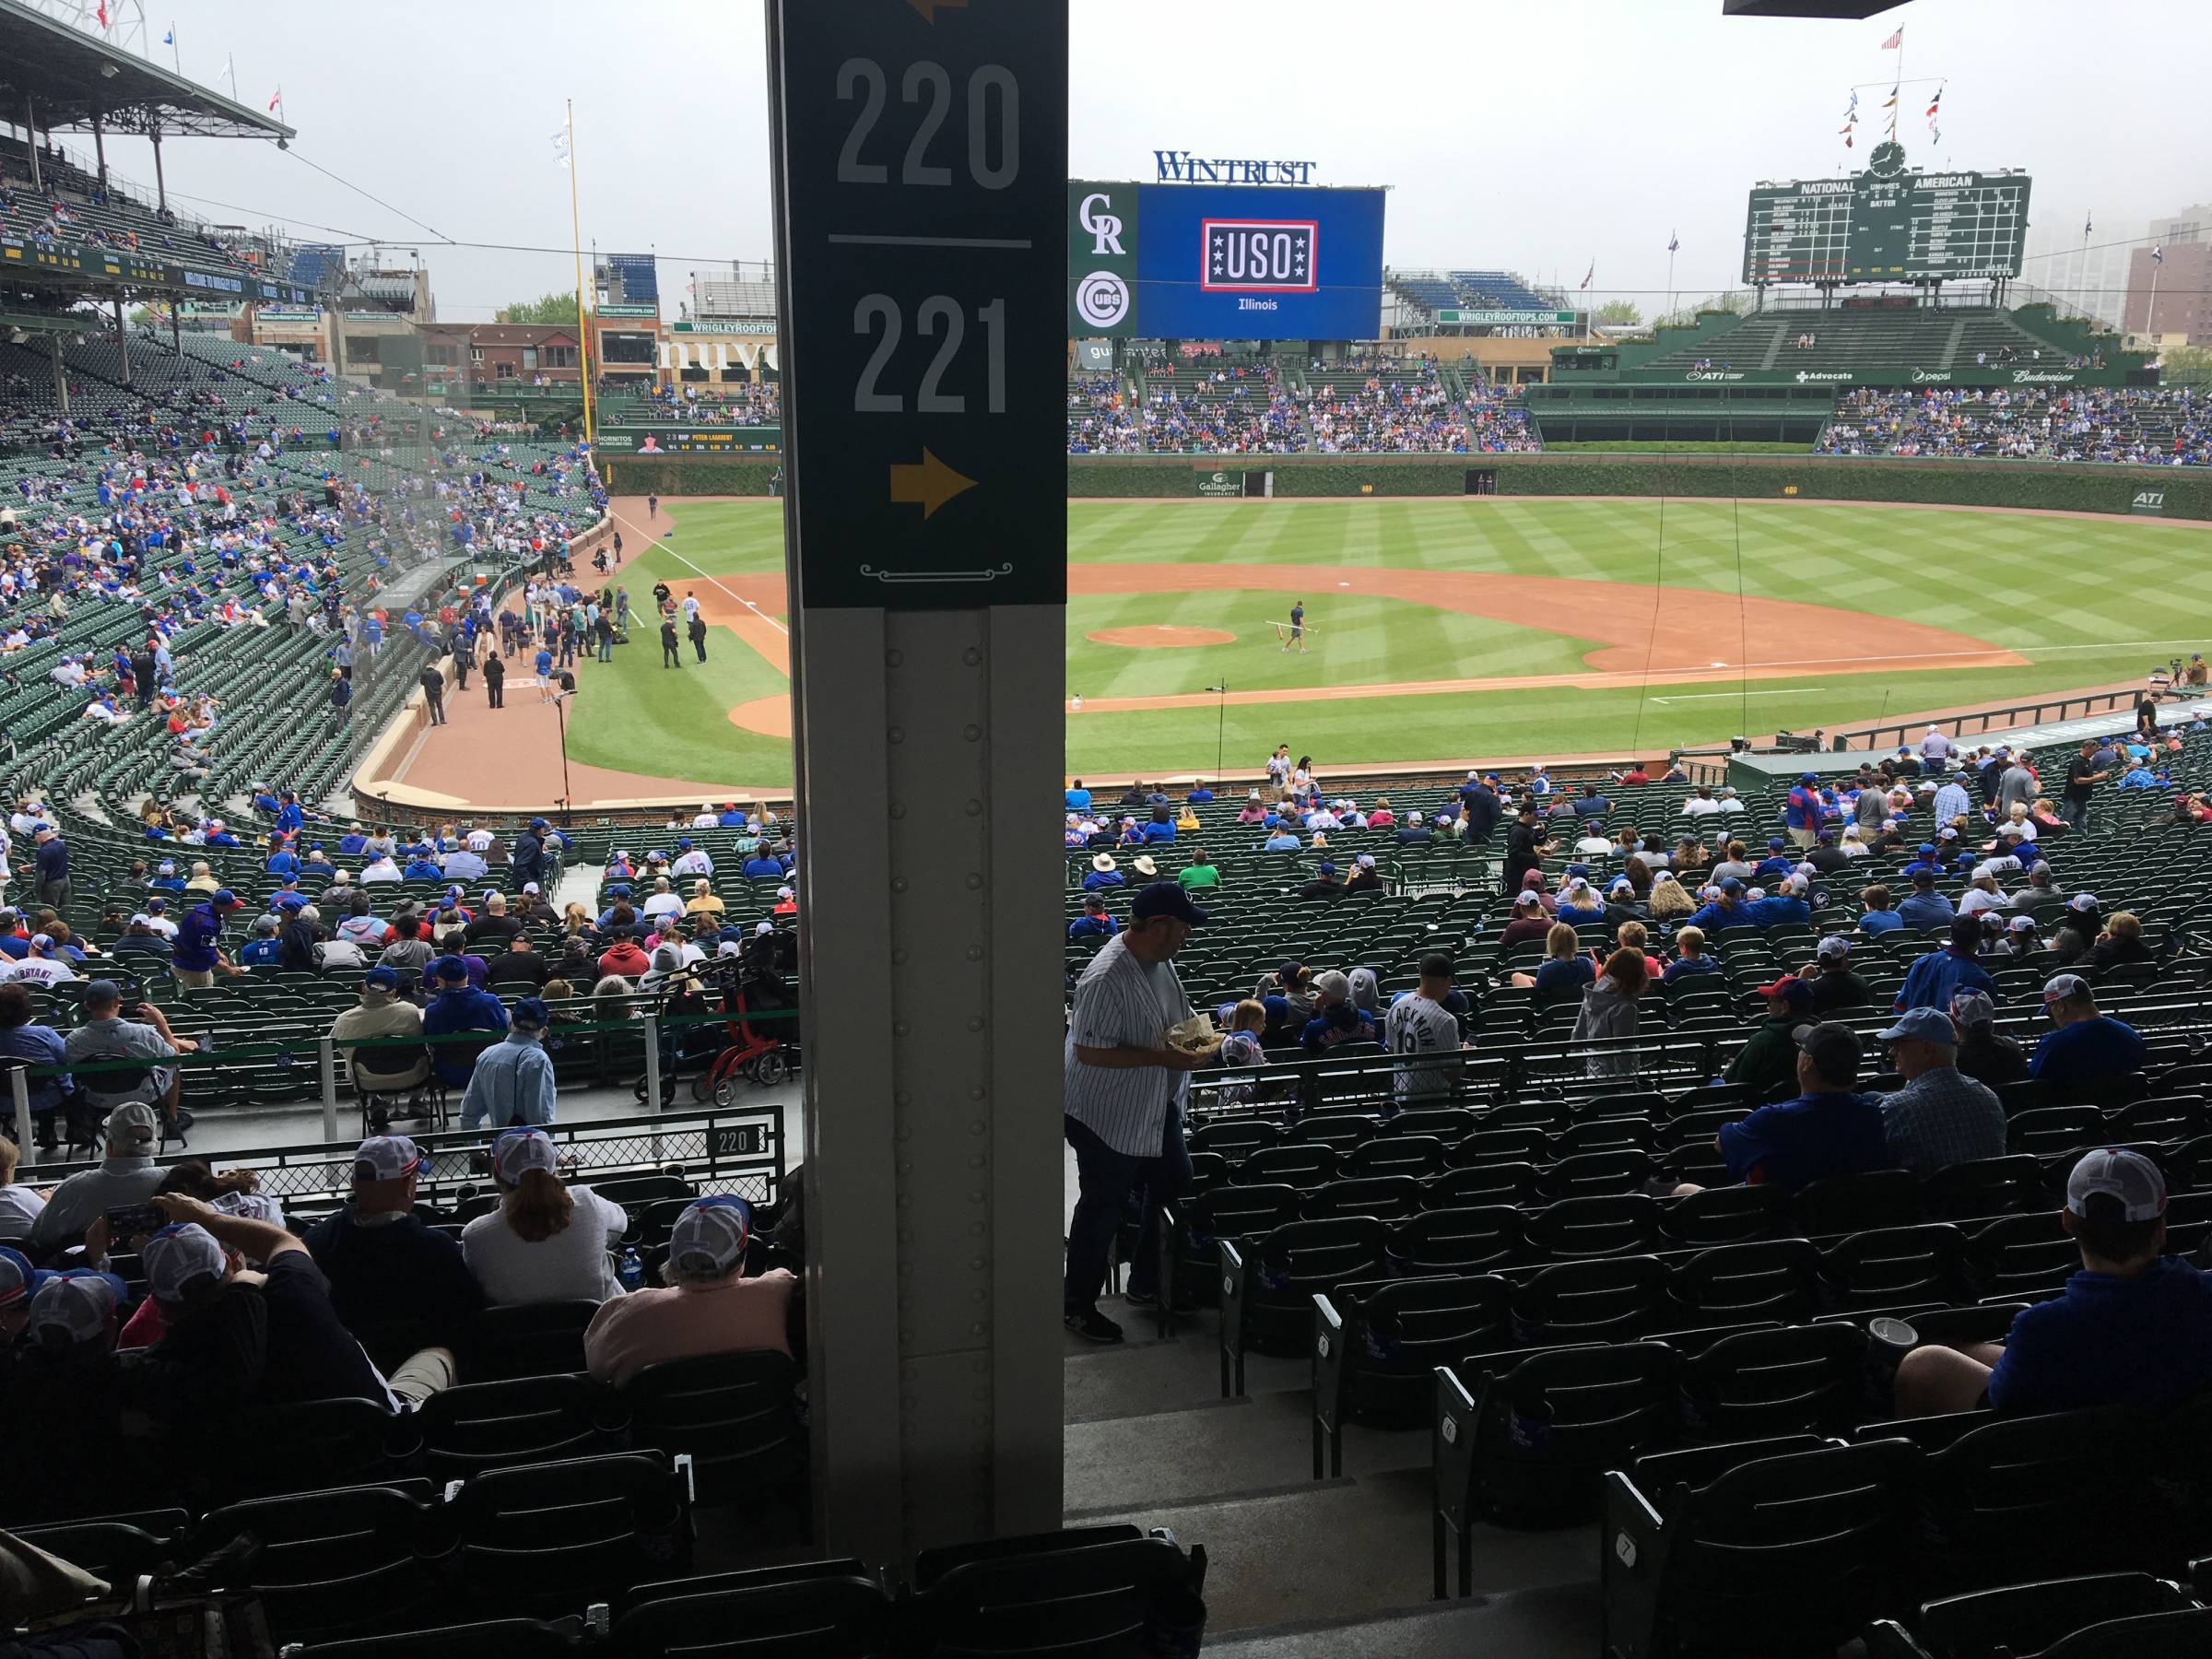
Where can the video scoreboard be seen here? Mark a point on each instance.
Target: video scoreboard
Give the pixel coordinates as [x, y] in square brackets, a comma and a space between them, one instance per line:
[1192, 262]
[1887, 226]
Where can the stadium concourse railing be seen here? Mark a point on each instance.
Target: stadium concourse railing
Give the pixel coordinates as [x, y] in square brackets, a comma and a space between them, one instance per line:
[732, 1142]
[1999, 719]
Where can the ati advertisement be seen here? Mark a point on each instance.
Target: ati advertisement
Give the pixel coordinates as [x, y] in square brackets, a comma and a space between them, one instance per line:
[1173, 262]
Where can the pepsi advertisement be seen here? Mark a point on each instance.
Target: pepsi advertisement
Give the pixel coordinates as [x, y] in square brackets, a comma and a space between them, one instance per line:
[1205, 261]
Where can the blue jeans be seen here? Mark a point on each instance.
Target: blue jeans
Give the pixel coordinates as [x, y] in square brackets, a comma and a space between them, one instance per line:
[1106, 1181]
[606, 648]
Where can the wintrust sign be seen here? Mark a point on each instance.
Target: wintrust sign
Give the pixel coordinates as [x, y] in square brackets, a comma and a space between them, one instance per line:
[1181, 167]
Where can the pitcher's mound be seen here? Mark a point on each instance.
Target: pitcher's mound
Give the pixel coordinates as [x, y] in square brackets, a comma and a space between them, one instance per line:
[769, 716]
[1161, 636]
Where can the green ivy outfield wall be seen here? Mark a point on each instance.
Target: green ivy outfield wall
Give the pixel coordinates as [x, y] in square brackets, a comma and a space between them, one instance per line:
[690, 475]
[2170, 492]
[2180, 492]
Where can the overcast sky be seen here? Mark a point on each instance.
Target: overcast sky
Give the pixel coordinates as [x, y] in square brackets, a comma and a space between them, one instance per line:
[1534, 138]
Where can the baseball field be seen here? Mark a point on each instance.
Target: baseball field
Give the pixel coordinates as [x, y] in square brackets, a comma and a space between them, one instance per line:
[1455, 629]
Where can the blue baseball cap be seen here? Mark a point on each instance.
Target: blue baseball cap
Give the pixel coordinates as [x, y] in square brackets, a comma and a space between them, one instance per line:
[1931, 1025]
[539, 823]
[531, 1014]
[1165, 899]
[291, 901]
[1927, 849]
[1731, 886]
[383, 978]
[450, 968]
[683, 843]
[223, 899]
[1808, 777]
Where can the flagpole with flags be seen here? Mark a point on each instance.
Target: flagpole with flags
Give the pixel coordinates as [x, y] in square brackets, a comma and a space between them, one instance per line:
[230, 74]
[1673, 241]
[176, 52]
[2089, 218]
[583, 344]
[2151, 317]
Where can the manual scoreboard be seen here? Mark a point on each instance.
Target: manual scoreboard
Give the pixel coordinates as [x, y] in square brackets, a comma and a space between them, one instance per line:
[1887, 225]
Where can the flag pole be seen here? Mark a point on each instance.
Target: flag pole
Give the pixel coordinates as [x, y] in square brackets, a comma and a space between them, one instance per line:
[583, 342]
[1670, 273]
[176, 51]
[2151, 317]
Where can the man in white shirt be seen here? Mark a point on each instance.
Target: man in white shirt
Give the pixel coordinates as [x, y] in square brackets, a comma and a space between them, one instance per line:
[661, 901]
[706, 818]
[690, 859]
[40, 967]
[1123, 1087]
[1701, 803]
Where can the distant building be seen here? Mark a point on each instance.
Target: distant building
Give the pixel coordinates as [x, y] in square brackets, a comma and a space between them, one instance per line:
[2166, 299]
[2055, 269]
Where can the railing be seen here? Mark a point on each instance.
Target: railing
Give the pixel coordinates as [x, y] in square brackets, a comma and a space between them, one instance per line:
[739, 1149]
[2005, 718]
[660, 1033]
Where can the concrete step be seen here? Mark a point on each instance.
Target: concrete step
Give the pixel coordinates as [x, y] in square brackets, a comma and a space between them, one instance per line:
[1222, 1449]
[1353, 1548]
[1560, 1621]
[1142, 1374]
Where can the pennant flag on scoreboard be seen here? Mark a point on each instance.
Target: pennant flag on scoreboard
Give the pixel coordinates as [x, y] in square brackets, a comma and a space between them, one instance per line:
[1896, 41]
[2157, 256]
[1590, 273]
[560, 146]
[1890, 102]
[1673, 242]
[1936, 103]
[2086, 219]
[277, 98]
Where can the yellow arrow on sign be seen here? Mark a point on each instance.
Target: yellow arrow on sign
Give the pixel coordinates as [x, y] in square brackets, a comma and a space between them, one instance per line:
[928, 485]
[928, 8]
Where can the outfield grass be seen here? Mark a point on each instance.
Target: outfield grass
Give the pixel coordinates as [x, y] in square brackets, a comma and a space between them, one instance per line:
[669, 723]
[2088, 601]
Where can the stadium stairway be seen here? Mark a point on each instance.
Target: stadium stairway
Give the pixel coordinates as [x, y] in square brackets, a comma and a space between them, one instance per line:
[1300, 1567]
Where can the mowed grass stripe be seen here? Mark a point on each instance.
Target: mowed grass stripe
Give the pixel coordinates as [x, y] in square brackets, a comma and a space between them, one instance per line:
[2047, 585]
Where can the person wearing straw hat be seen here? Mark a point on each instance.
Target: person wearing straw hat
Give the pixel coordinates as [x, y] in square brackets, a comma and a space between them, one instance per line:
[1104, 872]
[708, 1307]
[2134, 1327]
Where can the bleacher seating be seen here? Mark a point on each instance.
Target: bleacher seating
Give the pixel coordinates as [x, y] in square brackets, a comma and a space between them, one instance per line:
[2135, 426]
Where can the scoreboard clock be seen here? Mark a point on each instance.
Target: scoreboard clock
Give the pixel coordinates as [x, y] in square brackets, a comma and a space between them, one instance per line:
[1887, 224]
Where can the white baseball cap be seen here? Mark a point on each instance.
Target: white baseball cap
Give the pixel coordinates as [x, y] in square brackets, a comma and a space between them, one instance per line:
[518, 1151]
[2117, 1173]
[179, 1255]
[77, 1304]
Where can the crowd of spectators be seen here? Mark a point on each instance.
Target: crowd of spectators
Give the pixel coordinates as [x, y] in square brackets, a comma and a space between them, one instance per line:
[1240, 409]
[2136, 426]
[1100, 421]
[751, 404]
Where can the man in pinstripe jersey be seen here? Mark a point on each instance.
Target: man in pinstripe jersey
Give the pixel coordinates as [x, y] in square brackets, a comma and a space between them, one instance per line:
[1125, 1085]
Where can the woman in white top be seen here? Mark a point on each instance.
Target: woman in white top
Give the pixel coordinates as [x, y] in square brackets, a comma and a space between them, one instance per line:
[546, 1243]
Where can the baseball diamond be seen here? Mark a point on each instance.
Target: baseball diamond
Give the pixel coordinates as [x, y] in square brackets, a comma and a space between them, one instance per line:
[1437, 630]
